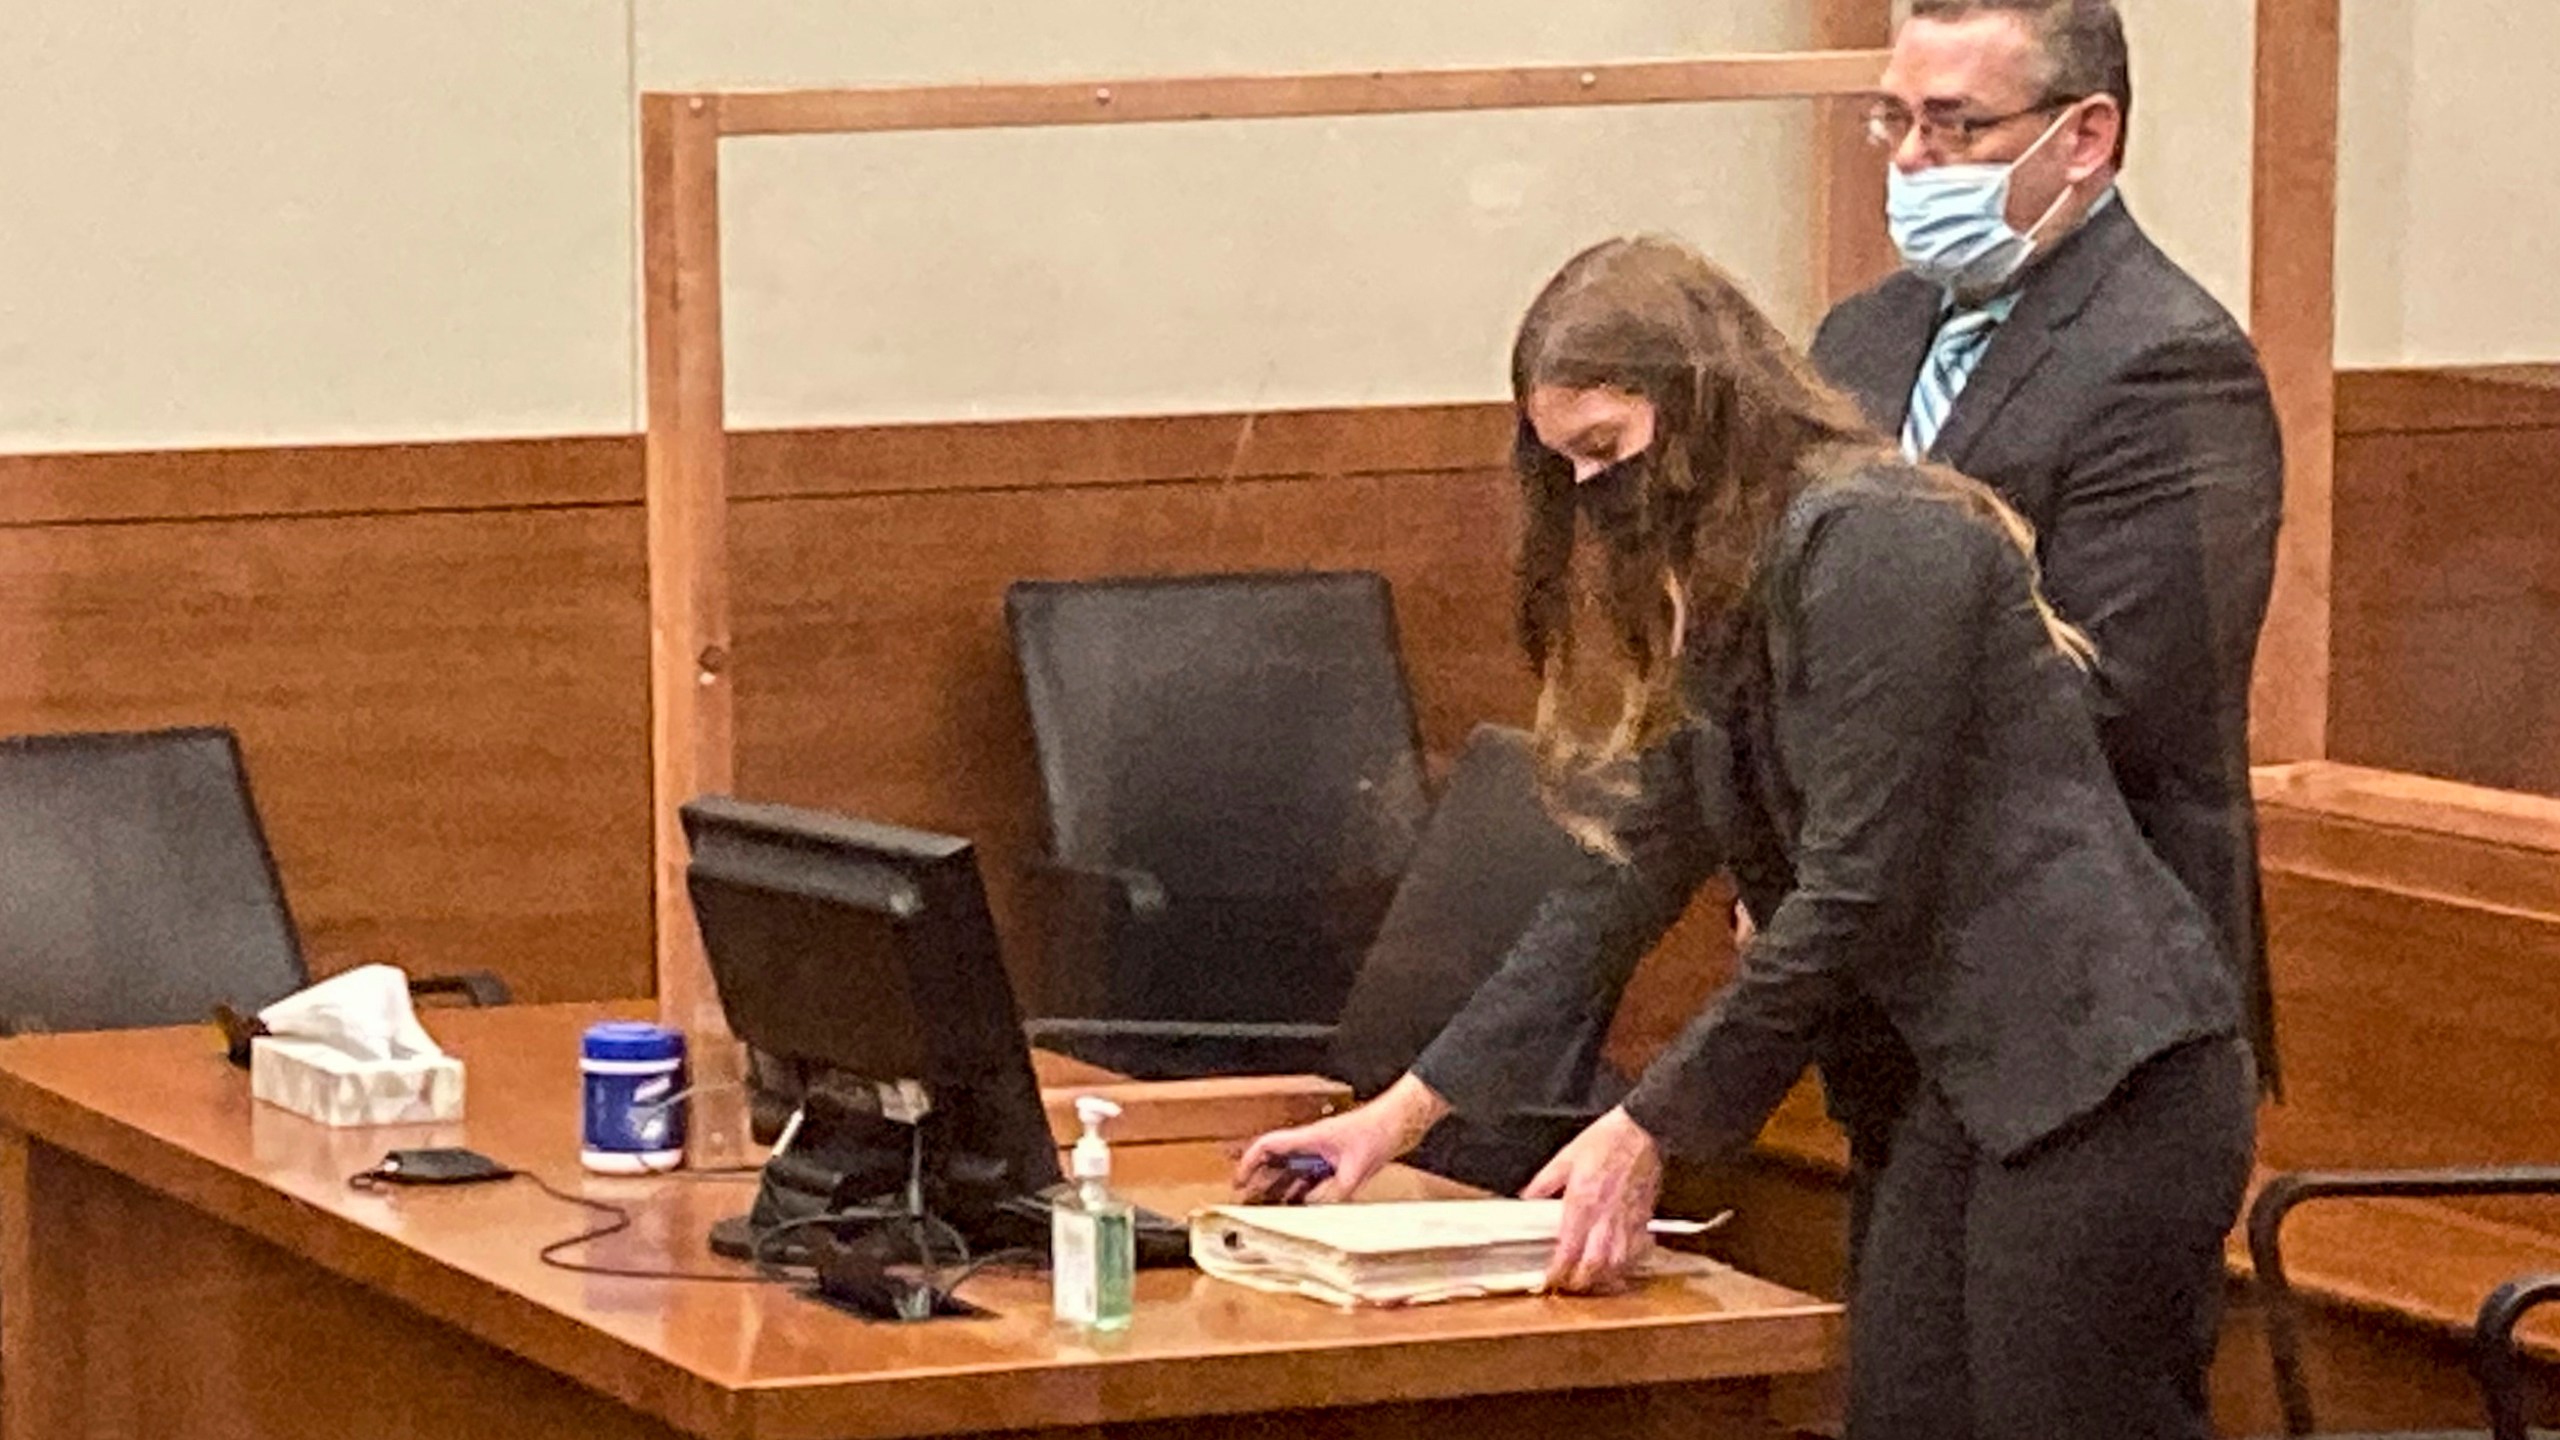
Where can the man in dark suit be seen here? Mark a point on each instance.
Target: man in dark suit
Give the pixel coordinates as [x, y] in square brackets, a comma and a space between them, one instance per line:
[2038, 341]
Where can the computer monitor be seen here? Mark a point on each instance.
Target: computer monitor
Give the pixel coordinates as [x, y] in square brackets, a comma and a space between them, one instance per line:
[850, 956]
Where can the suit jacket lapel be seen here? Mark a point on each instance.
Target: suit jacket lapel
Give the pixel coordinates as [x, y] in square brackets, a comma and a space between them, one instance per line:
[2016, 350]
[2052, 296]
[1879, 368]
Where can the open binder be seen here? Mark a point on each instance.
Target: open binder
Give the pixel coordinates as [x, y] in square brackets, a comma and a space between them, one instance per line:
[1408, 1252]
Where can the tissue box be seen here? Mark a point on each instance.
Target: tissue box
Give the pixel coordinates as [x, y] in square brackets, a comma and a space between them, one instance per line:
[334, 1088]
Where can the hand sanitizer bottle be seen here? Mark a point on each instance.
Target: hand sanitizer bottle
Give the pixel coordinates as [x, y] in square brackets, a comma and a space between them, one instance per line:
[1093, 1254]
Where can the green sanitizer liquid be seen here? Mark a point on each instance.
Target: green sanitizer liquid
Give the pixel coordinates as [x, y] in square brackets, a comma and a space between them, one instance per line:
[1093, 1237]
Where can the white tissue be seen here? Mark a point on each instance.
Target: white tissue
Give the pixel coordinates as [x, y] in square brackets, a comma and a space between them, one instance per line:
[363, 1014]
[350, 1051]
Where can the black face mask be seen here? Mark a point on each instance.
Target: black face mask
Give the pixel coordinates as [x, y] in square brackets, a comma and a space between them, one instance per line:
[1616, 489]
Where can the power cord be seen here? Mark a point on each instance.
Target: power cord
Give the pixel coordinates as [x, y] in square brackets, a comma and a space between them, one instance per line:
[938, 1287]
[618, 1219]
[1022, 1255]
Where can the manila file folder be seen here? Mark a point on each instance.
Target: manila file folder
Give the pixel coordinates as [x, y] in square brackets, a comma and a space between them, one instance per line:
[1405, 1252]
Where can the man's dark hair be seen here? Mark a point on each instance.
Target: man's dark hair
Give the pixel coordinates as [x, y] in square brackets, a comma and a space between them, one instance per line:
[2082, 40]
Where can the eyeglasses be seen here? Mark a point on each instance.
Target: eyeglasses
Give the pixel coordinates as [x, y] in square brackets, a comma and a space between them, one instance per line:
[1889, 123]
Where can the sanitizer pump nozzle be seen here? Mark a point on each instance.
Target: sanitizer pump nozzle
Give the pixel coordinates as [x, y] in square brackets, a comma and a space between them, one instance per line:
[1093, 1256]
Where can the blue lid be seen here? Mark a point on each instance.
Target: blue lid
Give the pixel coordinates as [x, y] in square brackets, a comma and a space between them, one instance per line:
[631, 1040]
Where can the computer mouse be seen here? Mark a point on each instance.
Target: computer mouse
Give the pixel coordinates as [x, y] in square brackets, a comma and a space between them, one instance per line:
[1308, 1167]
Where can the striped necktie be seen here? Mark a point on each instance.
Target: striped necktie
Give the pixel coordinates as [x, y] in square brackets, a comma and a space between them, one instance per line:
[1952, 356]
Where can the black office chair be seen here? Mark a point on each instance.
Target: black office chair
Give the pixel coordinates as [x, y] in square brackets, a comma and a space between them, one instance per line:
[2494, 1357]
[1487, 858]
[137, 889]
[1491, 855]
[1233, 780]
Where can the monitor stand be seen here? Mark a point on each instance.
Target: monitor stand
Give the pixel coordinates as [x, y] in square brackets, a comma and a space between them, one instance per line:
[848, 1156]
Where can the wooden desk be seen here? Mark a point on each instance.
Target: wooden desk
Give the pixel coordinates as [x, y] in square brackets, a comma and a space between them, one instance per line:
[179, 1261]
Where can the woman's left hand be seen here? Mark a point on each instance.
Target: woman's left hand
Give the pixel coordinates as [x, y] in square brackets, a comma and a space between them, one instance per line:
[1609, 1175]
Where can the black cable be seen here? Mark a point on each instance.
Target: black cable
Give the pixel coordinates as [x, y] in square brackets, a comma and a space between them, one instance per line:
[920, 1223]
[618, 1220]
[1017, 1255]
[852, 1214]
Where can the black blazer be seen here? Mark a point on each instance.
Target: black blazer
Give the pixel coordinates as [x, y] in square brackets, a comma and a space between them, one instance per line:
[1905, 772]
[2123, 413]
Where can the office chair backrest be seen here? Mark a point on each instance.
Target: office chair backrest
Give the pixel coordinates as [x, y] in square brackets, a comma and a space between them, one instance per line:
[1491, 854]
[1232, 735]
[136, 886]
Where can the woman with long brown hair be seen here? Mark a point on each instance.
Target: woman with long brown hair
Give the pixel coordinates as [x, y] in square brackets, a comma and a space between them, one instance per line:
[1768, 644]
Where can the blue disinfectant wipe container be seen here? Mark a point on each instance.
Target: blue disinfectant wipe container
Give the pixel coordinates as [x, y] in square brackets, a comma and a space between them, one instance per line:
[633, 1072]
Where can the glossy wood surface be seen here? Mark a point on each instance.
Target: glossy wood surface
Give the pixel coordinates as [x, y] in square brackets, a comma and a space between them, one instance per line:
[160, 1113]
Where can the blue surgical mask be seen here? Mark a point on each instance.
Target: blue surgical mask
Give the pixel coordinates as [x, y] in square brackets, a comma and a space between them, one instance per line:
[1951, 222]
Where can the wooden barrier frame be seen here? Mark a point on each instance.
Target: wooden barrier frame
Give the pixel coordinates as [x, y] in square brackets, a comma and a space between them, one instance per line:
[2293, 214]
[2293, 317]
[692, 735]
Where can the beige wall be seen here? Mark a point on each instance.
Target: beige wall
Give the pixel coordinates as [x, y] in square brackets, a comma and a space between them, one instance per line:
[1206, 267]
[2449, 225]
[2187, 161]
[271, 220]
[277, 221]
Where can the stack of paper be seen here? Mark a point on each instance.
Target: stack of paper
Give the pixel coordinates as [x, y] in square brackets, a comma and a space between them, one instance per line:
[1394, 1253]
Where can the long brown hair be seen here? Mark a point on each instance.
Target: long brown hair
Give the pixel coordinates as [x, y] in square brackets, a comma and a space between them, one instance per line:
[1742, 425]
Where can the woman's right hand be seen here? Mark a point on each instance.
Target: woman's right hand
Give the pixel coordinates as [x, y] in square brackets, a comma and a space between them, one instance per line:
[1356, 1144]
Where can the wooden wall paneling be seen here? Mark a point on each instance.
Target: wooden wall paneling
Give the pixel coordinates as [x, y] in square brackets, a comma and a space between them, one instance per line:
[2416, 1030]
[29, 1266]
[2293, 223]
[2416, 951]
[2447, 595]
[875, 674]
[690, 725]
[441, 714]
[1658, 1412]
[250, 483]
[2439, 398]
[437, 663]
[1675, 982]
[2368, 1373]
[1009, 455]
